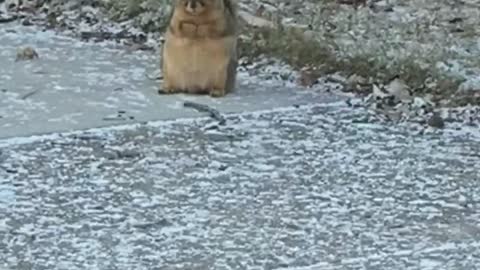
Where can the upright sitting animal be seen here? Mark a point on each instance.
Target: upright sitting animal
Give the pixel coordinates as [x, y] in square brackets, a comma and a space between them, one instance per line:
[199, 55]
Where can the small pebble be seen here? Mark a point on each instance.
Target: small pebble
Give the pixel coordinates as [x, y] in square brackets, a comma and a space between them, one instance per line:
[436, 121]
[27, 53]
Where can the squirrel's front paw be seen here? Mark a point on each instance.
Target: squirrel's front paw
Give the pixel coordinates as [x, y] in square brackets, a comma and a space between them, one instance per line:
[167, 91]
[217, 92]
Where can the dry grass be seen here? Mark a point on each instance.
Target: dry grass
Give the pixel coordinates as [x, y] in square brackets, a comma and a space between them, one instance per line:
[149, 15]
[294, 48]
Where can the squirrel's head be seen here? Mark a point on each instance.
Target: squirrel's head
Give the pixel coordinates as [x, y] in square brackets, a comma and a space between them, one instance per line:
[198, 7]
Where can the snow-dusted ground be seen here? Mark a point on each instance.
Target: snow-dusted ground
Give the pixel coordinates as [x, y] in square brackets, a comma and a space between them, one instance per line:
[77, 85]
[440, 35]
[314, 187]
[320, 186]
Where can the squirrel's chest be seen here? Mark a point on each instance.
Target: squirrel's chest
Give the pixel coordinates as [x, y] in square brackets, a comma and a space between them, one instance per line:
[196, 53]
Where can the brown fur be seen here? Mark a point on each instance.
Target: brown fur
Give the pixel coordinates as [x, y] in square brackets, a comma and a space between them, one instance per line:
[200, 50]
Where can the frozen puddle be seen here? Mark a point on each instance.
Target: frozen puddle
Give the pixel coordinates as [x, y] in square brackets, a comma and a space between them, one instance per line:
[77, 85]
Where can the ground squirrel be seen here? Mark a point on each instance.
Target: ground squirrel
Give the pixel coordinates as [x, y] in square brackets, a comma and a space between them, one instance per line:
[199, 55]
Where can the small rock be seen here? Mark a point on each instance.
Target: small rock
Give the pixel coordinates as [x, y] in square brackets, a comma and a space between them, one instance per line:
[11, 171]
[399, 89]
[223, 168]
[27, 53]
[307, 78]
[355, 79]
[357, 83]
[259, 12]
[469, 86]
[436, 121]
[253, 20]
[455, 20]
[355, 103]
[419, 103]
[379, 93]
[127, 154]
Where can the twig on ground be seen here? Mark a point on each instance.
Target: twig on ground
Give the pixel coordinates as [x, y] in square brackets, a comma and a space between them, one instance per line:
[103, 35]
[29, 94]
[215, 114]
[123, 35]
[114, 119]
[9, 170]
[159, 77]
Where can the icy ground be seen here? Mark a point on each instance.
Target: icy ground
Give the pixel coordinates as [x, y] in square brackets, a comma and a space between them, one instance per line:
[314, 187]
[77, 85]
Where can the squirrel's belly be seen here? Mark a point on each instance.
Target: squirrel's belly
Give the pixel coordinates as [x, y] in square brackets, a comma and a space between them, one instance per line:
[196, 65]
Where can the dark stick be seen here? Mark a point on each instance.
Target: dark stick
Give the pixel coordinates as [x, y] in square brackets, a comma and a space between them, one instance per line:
[114, 119]
[7, 20]
[204, 108]
[29, 94]
[159, 77]
[107, 35]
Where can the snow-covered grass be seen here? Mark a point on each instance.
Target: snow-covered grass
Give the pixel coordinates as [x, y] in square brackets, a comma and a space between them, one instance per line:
[150, 15]
[430, 44]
